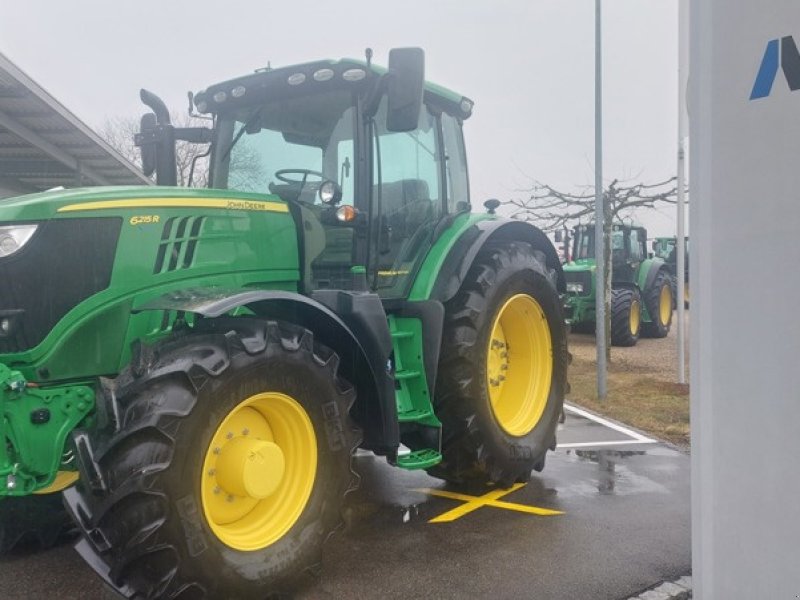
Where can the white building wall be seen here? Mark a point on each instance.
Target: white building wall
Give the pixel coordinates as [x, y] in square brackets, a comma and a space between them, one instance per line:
[745, 313]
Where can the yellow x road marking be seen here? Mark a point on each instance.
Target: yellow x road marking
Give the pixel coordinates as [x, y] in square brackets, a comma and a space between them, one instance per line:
[491, 499]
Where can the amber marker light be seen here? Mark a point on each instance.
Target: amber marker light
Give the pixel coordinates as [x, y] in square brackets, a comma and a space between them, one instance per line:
[346, 214]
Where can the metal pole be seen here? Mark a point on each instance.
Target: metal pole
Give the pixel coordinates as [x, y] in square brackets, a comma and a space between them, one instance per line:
[599, 214]
[683, 60]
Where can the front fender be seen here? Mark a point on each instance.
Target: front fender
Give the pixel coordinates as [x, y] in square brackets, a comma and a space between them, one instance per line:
[375, 408]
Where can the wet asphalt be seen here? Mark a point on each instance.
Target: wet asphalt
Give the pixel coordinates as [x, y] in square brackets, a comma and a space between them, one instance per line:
[625, 526]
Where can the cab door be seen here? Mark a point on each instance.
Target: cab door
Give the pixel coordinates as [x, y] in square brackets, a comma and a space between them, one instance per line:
[407, 199]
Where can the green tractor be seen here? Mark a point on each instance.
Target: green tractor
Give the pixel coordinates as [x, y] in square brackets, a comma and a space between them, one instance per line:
[641, 287]
[195, 368]
[666, 249]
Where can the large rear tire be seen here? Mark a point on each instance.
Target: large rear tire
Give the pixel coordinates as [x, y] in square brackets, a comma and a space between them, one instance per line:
[658, 300]
[226, 468]
[502, 378]
[626, 316]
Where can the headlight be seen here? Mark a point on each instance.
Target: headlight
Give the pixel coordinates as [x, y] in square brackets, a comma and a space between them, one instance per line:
[14, 237]
[575, 286]
[330, 193]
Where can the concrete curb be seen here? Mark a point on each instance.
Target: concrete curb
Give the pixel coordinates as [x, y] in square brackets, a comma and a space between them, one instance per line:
[680, 589]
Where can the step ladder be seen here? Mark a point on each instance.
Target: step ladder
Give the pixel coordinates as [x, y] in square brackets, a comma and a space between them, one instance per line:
[414, 404]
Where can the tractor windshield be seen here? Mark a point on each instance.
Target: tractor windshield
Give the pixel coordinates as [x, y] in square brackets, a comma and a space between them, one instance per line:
[584, 242]
[288, 147]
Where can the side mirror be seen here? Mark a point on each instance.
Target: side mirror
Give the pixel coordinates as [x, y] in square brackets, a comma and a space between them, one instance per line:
[559, 237]
[654, 245]
[405, 87]
[146, 142]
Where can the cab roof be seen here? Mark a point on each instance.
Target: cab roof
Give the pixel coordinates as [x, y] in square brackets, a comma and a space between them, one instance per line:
[294, 80]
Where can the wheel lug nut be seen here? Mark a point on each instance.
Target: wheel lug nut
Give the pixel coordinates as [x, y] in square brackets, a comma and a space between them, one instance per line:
[217, 490]
[504, 367]
[217, 450]
[245, 431]
[494, 382]
[229, 498]
[212, 472]
[230, 435]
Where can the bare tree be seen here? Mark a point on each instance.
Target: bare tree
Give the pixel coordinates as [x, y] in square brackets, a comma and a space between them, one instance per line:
[552, 209]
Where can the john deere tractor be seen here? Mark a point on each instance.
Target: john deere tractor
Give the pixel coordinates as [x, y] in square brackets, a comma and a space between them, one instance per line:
[195, 368]
[641, 287]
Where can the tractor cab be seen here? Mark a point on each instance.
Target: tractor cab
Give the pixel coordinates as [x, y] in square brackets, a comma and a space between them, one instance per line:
[368, 160]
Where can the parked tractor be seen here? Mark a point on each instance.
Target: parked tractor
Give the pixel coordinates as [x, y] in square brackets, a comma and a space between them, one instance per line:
[195, 368]
[666, 249]
[641, 287]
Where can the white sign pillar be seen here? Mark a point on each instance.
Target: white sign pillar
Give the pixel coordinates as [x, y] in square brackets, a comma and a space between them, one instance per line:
[744, 110]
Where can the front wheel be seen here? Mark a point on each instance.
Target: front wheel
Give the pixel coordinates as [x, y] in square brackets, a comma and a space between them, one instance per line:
[226, 469]
[502, 377]
[626, 316]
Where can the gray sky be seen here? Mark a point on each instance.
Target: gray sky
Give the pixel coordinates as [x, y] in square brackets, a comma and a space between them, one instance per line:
[529, 66]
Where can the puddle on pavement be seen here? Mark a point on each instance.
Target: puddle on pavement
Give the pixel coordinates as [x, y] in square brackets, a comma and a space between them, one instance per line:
[611, 477]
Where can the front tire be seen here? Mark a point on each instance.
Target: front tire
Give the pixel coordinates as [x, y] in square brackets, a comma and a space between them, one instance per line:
[502, 377]
[658, 300]
[226, 469]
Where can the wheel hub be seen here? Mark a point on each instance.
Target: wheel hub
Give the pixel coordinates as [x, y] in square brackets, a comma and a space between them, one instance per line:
[249, 467]
[259, 471]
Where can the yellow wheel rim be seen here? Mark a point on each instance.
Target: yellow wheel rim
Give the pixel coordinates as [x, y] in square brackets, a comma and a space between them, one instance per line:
[259, 471]
[665, 304]
[635, 317]
[519, 365]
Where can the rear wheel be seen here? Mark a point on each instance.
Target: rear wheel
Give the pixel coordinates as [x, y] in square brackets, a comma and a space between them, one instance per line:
[502, 378]
[658, 299]
[227, 468]
[626, 316]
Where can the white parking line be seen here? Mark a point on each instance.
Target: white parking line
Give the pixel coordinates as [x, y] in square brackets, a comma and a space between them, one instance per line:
[637, 438]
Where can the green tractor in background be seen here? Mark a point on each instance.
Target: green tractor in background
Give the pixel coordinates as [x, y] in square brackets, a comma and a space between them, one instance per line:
[666, 249]
[641, 287]
[195, 369]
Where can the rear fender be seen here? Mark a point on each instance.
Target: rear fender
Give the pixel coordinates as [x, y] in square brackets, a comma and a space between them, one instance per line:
[649, 271]
[466, 249]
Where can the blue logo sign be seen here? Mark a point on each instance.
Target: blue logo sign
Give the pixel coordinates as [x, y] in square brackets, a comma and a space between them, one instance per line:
[779, 53]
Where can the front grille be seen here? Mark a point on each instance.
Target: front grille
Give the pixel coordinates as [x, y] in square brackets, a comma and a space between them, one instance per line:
[65, 262]
[583, 277]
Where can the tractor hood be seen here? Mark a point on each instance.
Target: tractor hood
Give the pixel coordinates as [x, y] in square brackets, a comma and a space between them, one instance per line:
[71, 202]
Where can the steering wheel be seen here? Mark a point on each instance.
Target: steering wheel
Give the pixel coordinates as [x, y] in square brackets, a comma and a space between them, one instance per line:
[281, 175]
